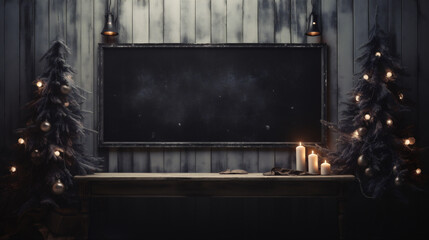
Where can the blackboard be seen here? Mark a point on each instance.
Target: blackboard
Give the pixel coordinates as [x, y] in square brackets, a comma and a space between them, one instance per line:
[211, 95]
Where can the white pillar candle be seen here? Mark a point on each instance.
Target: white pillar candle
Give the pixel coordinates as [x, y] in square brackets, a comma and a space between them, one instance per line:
[313, 164]
[300, 158]
[325, 168]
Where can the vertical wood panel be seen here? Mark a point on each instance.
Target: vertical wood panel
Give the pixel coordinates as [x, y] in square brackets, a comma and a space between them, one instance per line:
[265, 160]
[57, 20]
[140, 21]
[250, 21]
[11, 69]
[299, 20]
[171, 160]
[234, 21]
[41, 32]
[73, 36]
[125, 21]
[234, 158]
[410, 51]
[26, 55]
[2, 77]
[423, 83]
[329, 26]
[395, 25]
[250, 160]
[188, 160]
[113, 161]
[156, 158]
[187, 21]
[172, 21]
[86, 68]
[283, 158]
[203, 160]
[218, 21]
[282, 21]
[266, 21]
[360, 30]
[125, 160]
[382, 6]
[156, 21]
[202, 21]
[345, 51]
[141, 160]
[219, 160]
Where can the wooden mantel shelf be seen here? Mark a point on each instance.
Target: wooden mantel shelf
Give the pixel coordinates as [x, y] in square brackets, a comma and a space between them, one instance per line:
[210, 185]
[207, 177]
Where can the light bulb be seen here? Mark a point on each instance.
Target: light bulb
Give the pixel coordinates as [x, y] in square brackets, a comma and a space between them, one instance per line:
[314, 23]
[401, 96]
[21, 140]
[378, 54]
[389, 122]
[12, 169]
[39, 83]
[365, 76]
[389, 74]
[57, 153]
[418, 171]
[357, 98]
[367, 117]
[407, 142]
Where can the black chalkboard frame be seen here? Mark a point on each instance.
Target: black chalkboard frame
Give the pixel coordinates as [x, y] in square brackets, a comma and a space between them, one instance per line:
[100, 126]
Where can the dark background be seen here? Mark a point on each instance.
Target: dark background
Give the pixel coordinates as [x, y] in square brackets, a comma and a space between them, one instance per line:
[212, 94]
[28, 26]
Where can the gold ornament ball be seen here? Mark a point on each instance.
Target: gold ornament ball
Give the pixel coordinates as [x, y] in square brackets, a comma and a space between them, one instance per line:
[389, 74]
[12, 169]
[58, 187]
[65, 89]
[365, 76]
[66, 104]
[368, 172]
[21, 141]
[367, 117]
[412, 140]
[418, 171]
[378, 54]
[362, 161]
[45, 126]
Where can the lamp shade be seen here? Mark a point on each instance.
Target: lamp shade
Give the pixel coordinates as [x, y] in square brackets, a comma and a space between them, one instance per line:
[109, 26]
[313, 25]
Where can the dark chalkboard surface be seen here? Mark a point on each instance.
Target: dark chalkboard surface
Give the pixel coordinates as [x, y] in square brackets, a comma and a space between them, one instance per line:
[215, 95]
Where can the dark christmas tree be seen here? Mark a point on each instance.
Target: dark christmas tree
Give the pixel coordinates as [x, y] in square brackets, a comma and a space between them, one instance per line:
[49, 149]
[375, 138]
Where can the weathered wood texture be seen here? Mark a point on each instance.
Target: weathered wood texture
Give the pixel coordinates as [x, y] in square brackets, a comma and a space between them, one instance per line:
[28, 27]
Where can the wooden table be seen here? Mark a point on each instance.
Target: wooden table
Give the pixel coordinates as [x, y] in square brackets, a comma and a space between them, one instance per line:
[212, 185]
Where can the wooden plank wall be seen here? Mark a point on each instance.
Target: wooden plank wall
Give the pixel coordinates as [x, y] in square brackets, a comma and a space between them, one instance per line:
[33, 24]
